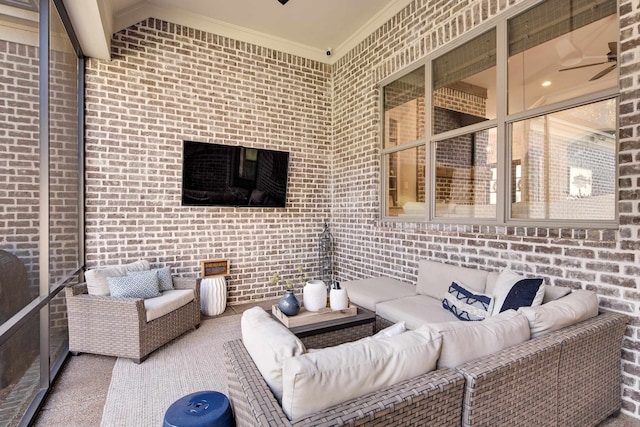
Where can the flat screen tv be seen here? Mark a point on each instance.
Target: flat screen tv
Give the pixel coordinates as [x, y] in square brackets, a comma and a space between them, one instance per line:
[230, 175]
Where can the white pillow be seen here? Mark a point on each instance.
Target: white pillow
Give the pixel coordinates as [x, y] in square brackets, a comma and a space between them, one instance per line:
[318, 380]
[391, 331]
[465, 341]
[97, 278]
[513, 291]
[269, 343]
[577, 306]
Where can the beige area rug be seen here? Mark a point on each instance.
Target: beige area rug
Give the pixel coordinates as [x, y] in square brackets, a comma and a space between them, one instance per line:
[139, 395]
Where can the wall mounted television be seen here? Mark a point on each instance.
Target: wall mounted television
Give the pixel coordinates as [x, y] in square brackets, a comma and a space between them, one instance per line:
[230, 175]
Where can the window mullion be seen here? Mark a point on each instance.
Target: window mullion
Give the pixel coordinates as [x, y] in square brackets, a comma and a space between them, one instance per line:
[502, 148]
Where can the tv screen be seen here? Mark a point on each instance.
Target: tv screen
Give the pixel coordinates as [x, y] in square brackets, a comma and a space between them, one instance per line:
[225, 175]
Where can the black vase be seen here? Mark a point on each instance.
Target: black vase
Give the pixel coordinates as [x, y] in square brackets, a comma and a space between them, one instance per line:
[289, 304]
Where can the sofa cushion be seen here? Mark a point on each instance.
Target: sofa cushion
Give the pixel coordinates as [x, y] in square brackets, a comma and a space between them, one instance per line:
[167, 302]
[552, 293]
[577, 306]
[434, 278]
[391, 331]
[97, 278]
[465, 341]
[138, 286]
[513, 291]
[318, 380]
[269, 343]
[165, 282]
[368, 292]
[415, 311]
[466, 304]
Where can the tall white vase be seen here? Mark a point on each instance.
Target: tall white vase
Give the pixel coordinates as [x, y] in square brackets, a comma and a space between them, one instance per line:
[314, 295]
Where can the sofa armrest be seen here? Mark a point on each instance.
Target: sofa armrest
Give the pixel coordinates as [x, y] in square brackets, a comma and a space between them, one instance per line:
[434, 397]
[106, 310]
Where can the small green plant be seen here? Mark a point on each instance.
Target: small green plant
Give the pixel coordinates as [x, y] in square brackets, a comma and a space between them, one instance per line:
[302, 277]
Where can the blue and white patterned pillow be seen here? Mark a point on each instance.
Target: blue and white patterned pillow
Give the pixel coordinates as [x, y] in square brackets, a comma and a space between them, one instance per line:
[466, 304]
[144, 285]
[165, 282]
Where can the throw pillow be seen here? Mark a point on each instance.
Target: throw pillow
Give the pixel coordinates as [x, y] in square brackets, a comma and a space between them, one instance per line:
[391, 331]
[466, 304]
[513, 291]
[143, 285]
[164, 278]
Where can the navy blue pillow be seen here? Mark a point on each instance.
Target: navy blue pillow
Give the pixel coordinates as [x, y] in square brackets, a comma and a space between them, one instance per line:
[522, 294]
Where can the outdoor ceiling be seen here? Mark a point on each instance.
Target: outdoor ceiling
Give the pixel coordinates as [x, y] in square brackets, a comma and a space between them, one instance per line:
[307, 28]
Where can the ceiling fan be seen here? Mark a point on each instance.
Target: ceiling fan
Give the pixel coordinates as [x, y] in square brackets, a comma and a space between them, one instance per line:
[283, 2]
[612, 57]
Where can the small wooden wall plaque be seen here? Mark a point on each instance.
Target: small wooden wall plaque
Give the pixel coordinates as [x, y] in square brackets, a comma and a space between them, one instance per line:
[215, 267]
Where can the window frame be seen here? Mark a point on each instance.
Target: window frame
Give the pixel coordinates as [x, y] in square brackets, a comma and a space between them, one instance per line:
[503, 124]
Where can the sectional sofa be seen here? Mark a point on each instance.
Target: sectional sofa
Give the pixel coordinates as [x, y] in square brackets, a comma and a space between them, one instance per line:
[556, 363]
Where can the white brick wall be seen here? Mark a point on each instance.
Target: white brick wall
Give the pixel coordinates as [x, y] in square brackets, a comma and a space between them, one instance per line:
[167, 83]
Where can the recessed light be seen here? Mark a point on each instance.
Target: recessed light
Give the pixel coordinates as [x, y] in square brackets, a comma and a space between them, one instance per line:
[546, 83]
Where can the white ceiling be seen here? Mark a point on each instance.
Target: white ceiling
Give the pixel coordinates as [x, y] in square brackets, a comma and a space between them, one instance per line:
[307, 28]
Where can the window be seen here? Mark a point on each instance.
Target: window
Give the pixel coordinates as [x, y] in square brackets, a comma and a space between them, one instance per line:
[537, 145]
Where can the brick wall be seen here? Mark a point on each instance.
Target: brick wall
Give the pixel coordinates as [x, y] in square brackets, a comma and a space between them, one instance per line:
[167, 83]
[605, 261]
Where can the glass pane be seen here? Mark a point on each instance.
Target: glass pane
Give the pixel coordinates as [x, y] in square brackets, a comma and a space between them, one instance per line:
[560, 50]
[19, 127]
[63, 150]
[567, 164]
[404, 109]
[19, 372]
[466, 176]
[58, 328]
[464, 84]
[406, 182]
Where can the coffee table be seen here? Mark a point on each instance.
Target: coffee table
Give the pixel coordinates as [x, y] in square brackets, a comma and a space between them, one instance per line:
[337, 331]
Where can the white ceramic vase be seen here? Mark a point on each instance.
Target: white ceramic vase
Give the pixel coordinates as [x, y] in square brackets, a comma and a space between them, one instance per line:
[314, 295]
[338, 299]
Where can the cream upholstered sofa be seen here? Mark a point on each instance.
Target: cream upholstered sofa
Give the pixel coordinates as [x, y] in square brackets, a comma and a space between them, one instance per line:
[133, 322]
[555, 364]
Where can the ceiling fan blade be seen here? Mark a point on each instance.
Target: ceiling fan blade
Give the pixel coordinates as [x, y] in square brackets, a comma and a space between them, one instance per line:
[283, 2]
[613, 47]
[603, 73]
[582, 66]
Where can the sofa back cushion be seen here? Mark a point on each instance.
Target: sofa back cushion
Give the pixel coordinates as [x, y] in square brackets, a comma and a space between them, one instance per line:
[269, 343]
[465, 341]
[320, 379]
[579, 305]
[96, 278]
[434, 278]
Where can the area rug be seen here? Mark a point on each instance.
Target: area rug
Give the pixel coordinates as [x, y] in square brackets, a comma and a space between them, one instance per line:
[139, 395]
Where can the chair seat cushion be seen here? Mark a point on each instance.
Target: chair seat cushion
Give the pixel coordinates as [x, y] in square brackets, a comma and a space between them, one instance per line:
[167, 302]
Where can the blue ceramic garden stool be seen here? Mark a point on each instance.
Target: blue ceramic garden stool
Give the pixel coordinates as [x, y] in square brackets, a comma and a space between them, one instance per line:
[201, 409]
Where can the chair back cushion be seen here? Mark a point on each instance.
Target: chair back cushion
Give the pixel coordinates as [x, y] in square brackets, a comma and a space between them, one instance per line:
[96, 278]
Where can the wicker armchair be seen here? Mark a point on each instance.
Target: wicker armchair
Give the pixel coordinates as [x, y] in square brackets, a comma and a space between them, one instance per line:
[118, 326]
